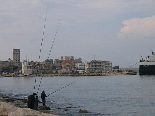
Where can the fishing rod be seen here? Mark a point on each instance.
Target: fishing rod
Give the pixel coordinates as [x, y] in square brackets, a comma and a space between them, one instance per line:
[54, 39]
[50, 51]
[42, 39]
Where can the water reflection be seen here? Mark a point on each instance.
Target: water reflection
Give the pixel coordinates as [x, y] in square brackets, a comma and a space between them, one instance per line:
[148, 77]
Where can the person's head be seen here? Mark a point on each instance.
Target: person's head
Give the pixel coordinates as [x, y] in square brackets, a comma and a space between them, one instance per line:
[36, 97]
[34, 94]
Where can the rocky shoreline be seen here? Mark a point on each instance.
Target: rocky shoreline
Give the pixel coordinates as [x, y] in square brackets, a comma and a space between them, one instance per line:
[10, 106]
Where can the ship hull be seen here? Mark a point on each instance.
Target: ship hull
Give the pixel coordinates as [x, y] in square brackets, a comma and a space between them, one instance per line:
[147, 70]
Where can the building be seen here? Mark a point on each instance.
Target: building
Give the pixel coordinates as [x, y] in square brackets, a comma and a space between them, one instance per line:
[27, 69]
[49, 62]
[16, 57]
[97, 66]
[69, 57]
[7, 66]
[80, 66]
[58, 64]
[79, 60]
[108, 66]
[86, 67]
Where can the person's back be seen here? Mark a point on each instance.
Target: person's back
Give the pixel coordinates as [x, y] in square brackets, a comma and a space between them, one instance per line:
[30, 102]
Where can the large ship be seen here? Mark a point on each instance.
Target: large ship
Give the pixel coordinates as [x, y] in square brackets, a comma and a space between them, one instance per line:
[147, 65]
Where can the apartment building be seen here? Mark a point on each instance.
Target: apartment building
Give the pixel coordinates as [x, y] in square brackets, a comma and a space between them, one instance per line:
[16, 57]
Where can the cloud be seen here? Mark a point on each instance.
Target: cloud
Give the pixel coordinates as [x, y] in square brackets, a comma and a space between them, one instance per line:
[138, 28]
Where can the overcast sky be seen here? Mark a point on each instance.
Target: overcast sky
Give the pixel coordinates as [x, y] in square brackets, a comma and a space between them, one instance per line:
[119, 31]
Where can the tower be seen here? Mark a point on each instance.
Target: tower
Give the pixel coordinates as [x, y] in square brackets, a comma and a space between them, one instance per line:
[16, 57]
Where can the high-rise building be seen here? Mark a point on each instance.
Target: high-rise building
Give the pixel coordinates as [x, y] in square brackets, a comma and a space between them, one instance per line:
[16, 57]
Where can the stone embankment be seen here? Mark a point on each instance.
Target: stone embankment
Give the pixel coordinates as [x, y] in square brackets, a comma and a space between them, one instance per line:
[8, 107]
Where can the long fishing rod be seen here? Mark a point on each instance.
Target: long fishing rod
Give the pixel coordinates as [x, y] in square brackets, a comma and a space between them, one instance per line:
[42, 39]
[54, 39]
[50, 51]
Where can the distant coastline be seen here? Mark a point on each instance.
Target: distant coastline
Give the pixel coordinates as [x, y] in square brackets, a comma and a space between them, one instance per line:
[52, 75]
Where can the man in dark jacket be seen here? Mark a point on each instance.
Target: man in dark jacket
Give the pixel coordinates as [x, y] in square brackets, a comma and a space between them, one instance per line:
[43, 95]
[31, 99]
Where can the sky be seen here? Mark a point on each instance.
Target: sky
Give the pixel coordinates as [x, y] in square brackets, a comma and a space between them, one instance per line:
[120, 31]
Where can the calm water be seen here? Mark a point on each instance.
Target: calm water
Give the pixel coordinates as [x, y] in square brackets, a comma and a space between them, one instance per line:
[100, 96]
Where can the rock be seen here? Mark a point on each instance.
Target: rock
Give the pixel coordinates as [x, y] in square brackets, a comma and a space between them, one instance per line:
[65, 109]
[24, 100]
[7, 109]
[9, 100]
[43, 108]
[58, 108]
[83, 111]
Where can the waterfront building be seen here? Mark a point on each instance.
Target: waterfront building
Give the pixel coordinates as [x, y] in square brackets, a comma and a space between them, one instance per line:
[49, 62]
[86, 66]
[16, 57]
[108, 66]
[58, 64]
[7, 66]
[27, 68]
[97, 66]
[68, 64]
[80, 66]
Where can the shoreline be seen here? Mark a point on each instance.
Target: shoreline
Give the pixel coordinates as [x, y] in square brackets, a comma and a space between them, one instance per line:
[10, 106]
[57, 75]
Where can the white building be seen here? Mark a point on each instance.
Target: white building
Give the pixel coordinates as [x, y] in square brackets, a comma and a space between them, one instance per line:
[26, 68]
[80, 66]
[97, 66]
[108, 66]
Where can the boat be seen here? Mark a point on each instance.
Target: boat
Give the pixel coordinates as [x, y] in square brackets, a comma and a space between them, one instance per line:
[131, 72]
[147, 65]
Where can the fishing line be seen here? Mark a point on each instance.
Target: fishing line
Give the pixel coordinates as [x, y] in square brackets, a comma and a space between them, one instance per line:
[134, 64]
[54, 40]
[50, 51]
[40, 50]
[62, 88]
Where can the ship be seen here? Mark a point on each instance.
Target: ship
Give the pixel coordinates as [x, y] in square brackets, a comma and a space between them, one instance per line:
[147, 65]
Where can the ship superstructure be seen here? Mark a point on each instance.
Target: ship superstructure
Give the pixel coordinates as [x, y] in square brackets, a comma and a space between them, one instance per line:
[147, 65]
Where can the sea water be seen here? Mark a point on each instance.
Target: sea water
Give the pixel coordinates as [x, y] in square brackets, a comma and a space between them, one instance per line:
[126, 95]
